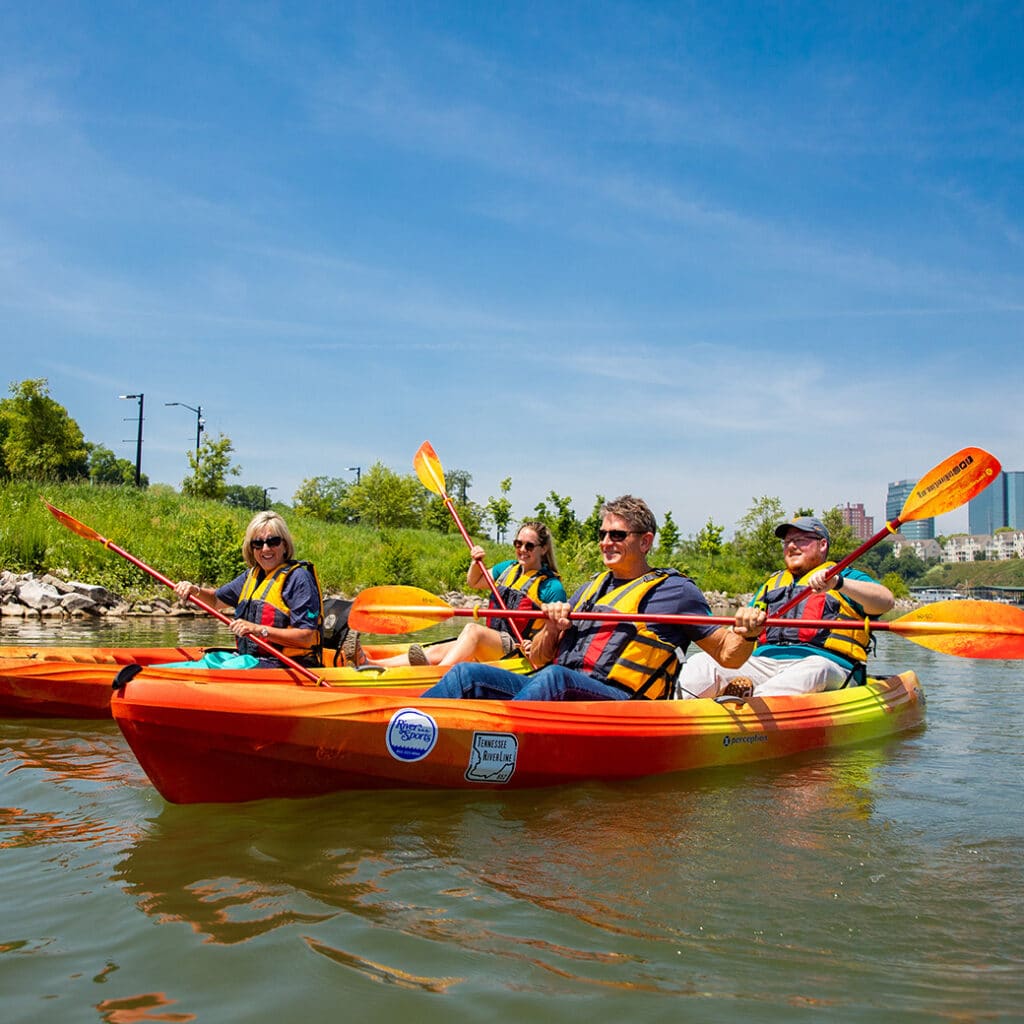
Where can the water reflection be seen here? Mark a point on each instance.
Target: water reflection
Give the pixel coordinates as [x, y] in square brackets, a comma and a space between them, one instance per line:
[605, 871]
[140, 1008]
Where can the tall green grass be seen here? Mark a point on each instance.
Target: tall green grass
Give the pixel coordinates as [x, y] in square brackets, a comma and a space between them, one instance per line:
[188, 538]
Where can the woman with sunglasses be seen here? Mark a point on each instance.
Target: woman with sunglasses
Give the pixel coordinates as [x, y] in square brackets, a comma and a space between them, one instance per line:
[277, 598]
[527, 581]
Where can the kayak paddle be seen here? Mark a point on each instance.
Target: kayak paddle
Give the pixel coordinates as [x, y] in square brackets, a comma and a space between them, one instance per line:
[968, 629]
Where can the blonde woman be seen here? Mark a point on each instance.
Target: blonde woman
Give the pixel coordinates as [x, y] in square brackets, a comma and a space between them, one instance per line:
[277, 598]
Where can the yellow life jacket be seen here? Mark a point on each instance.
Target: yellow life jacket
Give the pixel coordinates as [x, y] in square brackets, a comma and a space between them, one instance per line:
[778, 589]
[262, 601]
[520, 588]
[628, 655]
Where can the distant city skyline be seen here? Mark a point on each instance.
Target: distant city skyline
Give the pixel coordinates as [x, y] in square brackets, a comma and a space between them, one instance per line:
[1000, 505]
[862, 525]
[895, 498]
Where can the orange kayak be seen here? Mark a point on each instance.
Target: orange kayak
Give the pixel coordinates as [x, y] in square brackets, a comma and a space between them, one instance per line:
[213, 741]
[71, 682]
[76, 682]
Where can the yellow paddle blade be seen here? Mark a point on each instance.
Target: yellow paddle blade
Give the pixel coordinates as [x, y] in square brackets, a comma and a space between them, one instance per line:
[73, 524]
[967, 629]
[429, 469]
[393, 610]
[951, 484]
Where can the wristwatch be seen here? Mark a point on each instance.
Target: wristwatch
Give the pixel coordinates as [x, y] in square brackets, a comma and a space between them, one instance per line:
[838, 583]
[264, 632]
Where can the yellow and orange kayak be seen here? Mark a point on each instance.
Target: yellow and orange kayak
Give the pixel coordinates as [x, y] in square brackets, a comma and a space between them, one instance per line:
[76, 682]
[212, 741]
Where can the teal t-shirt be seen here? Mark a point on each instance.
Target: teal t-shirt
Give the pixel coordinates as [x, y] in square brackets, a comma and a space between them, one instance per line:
[551, 589]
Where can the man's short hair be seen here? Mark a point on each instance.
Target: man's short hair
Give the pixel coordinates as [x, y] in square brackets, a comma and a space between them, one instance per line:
[634, 511]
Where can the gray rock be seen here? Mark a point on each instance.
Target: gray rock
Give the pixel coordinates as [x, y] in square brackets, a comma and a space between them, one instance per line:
[96, 594]
[37, 595]
[61, 586]
[79, 603]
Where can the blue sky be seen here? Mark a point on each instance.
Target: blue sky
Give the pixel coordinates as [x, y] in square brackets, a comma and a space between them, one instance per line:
[701, 252]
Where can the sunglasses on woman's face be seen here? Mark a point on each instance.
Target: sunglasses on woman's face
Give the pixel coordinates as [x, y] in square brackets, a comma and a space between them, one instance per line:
[271, 542]
[526, 545]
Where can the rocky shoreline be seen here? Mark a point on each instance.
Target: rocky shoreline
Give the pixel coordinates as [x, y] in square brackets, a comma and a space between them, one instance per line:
[27, 596]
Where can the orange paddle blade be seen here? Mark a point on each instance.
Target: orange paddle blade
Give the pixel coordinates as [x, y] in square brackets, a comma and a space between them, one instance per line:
[393, 610]
[967, 629]
[951, 484]
[429, 469]
[73, 524]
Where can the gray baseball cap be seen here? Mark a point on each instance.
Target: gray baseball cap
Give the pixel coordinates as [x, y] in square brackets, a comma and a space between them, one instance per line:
[809, 524]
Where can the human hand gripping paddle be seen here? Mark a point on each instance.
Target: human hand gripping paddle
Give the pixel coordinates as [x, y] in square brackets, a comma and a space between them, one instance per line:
[431, 473]
[968, 629]
[947, 486]
[90, 534]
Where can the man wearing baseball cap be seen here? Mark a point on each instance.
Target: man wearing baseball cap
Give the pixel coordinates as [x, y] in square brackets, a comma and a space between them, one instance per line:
[796, 659]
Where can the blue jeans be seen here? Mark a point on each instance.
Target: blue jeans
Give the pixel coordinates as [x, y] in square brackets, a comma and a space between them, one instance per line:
[553, 682]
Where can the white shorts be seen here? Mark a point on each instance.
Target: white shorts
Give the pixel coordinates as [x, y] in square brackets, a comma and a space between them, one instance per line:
[702, 676]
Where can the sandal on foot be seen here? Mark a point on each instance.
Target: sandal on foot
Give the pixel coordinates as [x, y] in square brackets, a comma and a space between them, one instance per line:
[352, 650]
[741, 686]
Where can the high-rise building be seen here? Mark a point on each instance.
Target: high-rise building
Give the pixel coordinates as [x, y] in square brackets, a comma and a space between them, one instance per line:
[1000, 504]
[863, 526]
[895, 499]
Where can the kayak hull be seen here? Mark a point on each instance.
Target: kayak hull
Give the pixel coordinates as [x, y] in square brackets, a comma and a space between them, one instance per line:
[76, 682]
[71, 682]
[213, 742]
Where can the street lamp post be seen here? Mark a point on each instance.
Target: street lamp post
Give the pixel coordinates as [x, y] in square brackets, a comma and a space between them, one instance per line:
[198, 410]
[266, 491]
[138, 443]
[358, 472]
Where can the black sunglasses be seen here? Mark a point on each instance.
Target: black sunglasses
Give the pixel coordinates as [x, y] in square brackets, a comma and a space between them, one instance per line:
[618, 536]
[271, 542]
[526, 545]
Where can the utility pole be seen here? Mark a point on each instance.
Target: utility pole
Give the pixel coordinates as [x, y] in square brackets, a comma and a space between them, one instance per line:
[138, 443]
[198, 410]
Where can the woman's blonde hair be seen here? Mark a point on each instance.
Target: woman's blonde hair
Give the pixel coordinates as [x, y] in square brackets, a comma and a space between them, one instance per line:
[264, 520]
[547, 542]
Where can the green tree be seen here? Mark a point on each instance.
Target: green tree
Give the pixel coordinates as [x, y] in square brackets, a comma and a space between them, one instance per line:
[668, 536]
[592, 523]
[842, 539]
[382, 498]
[326, 498]
[499, 510]
[250, 496]
[105, 468]
[894, 581]
[709, 541]
[457, 483]
[211, 467]
[755, 537]
[38, 439]
[562, 521]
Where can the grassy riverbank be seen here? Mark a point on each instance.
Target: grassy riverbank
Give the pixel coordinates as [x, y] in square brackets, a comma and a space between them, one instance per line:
[186, 538]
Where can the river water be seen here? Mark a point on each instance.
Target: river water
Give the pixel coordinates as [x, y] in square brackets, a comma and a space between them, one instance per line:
[880, 883]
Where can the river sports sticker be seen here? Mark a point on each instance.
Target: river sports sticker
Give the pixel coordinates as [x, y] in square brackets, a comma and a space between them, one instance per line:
[492, 757]
[411, 735]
